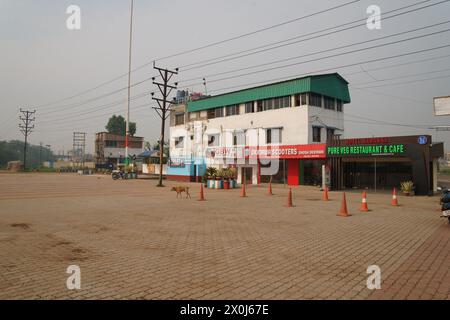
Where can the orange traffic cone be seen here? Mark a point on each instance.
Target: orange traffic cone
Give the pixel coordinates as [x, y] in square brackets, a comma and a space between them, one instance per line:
[364, 206]
[202, 195]
[289, 200]
[394, 201]
[325, 194]
[243, 193]
[344, 212]
[270, 189]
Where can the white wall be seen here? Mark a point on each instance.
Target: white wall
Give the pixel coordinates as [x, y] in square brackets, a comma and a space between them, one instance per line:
[296, 123]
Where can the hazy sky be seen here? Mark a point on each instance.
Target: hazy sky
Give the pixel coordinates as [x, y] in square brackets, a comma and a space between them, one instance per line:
[42, 61]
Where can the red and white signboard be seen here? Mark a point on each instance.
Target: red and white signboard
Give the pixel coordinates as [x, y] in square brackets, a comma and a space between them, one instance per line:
[309, 151]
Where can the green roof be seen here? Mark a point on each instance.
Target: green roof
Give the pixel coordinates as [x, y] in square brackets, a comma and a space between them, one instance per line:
[331, 85]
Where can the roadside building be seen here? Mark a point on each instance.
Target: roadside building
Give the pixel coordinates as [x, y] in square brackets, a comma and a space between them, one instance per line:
[283, 126]
[110, 148]
[384, 162]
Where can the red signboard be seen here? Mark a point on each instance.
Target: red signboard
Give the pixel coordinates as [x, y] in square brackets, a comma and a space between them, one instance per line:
[309, 151]
[360, 141]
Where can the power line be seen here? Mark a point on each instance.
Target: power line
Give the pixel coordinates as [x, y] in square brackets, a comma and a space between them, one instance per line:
[311, 60]
[334, 68]
[407, 82]
[147, 79]
[198, 49]
[98, 108]
[204, 63]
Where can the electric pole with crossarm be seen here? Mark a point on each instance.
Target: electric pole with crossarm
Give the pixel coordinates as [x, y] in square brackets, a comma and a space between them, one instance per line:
[163, 109]
[26, 128]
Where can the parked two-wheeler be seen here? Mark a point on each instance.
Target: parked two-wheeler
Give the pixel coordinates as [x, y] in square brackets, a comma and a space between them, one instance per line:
[118, 174]
[445, 202]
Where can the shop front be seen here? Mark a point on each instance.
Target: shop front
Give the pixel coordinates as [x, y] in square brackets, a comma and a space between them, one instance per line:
[384, 163]
[293, 165]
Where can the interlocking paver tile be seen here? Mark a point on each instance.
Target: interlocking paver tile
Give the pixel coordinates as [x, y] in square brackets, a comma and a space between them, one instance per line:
[135, 241]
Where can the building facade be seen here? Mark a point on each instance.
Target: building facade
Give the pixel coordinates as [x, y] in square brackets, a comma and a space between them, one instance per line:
[110, 148]
[273, 132]
[382, 163]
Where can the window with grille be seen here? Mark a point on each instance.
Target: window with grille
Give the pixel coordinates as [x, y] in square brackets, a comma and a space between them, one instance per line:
[232, 110]
[316, 134]
[249, 107]
[328, 103]
[179, 119]
[179, 142]
[315, 100]
[273, 135]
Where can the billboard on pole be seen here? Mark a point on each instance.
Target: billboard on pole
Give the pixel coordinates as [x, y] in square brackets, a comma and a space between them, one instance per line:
[441, 106]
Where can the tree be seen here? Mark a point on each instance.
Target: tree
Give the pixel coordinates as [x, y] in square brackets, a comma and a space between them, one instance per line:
[13, 151]
[117, 125]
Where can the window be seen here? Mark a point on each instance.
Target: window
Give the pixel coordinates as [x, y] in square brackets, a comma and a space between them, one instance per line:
[239, 138]
[304, 97]
[232, 110]
[215, 113]
[179, 142]
[259, 106]
[218, 112]
[273, 135]
[339, 106]
[286, 102]
[213, 140]
[211, 114]
[111, 144]
[329, 103]
[316, 134]
[193, 115]
[300, 99]
[315, 100]
[268, 104]
[297, 100]
[330, 134]
[249, 107]
[179, 119]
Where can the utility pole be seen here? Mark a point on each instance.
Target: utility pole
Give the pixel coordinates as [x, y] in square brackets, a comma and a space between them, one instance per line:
[163, 109]
[127, 120]
[79, 145]
[26, 128]
[40, 154]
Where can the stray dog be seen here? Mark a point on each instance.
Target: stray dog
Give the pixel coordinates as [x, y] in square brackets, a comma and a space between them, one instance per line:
[181, 189]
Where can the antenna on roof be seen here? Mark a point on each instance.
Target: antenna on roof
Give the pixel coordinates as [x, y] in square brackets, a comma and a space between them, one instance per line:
[204, 83]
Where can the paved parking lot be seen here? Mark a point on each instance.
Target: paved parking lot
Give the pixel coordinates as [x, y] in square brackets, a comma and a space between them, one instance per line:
[133, 240]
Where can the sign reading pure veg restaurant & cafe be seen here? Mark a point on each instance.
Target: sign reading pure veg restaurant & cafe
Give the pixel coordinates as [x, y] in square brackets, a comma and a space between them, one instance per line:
[367, 150]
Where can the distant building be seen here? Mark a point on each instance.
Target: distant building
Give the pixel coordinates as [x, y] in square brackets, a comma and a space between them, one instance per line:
[110, 148]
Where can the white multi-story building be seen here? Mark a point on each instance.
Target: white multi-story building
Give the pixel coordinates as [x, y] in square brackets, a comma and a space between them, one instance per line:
[287, 123]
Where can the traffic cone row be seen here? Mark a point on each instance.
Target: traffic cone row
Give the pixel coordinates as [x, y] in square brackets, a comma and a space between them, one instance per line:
[364, 207]
[289, 203]
[325, 194]
[202, 194]
[394, 201]
[343, 212]
[243, 192]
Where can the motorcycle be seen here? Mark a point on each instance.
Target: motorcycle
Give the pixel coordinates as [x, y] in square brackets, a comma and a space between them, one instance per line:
[445, 202]
[118, 174]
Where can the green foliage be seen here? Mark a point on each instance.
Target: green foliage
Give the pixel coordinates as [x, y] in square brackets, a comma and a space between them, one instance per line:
[407, 186]
[13, 151]
[117, 125]
[211, 172]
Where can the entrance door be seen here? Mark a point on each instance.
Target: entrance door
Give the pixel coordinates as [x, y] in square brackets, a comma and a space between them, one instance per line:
[247, 174]
[194, 175]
